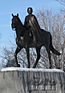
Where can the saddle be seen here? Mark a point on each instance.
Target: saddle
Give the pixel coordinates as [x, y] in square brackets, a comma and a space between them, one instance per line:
[33, 40]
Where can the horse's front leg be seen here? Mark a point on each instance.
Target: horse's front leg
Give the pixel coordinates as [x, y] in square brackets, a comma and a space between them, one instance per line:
[16, 52]
[28, 56]
[38, 56]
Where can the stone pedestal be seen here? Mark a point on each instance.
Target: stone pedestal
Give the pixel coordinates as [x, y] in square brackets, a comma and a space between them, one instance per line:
[23, 80]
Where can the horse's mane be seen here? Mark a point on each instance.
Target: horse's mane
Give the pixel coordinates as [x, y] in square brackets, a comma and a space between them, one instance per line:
[21, 27]
[20, 22]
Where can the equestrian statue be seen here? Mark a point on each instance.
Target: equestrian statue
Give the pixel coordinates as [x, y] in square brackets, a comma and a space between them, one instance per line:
[30, 35]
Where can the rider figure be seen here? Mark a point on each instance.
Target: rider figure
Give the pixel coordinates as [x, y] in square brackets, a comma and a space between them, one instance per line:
[32, 26]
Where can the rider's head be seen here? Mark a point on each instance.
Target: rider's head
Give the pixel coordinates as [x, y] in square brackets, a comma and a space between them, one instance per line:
[29, 10]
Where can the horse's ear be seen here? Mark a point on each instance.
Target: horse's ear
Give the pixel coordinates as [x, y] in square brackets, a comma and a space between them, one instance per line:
[12, 14]
[17, 14]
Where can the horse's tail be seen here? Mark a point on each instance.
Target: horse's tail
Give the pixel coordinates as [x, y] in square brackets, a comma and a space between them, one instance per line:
[52, 48]
[54, 51]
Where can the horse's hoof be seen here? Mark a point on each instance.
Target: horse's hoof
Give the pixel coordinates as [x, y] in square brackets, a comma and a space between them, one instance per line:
[58, 67]
[18, 65]
[50, 67]
[28, 66]
[34, 66]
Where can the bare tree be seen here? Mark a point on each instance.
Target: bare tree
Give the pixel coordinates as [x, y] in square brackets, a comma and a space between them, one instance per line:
[8, 59]
[61, 2]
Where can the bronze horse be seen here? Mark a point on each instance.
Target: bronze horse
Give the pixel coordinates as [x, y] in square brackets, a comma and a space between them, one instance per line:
[23, 41]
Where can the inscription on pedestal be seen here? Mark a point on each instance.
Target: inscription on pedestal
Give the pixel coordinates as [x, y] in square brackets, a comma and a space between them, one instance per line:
[36, 83]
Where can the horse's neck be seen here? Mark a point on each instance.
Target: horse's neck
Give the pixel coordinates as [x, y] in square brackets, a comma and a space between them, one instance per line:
[20, 31]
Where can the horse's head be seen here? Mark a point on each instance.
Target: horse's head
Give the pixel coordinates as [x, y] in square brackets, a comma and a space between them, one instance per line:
[15, 21]
[17, 25]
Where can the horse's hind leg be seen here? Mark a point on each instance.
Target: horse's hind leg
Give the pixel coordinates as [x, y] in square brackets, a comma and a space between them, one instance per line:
[38, 56]
[49, 56]
[16, 52]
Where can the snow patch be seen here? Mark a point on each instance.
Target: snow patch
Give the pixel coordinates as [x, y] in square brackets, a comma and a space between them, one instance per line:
[30, 69]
